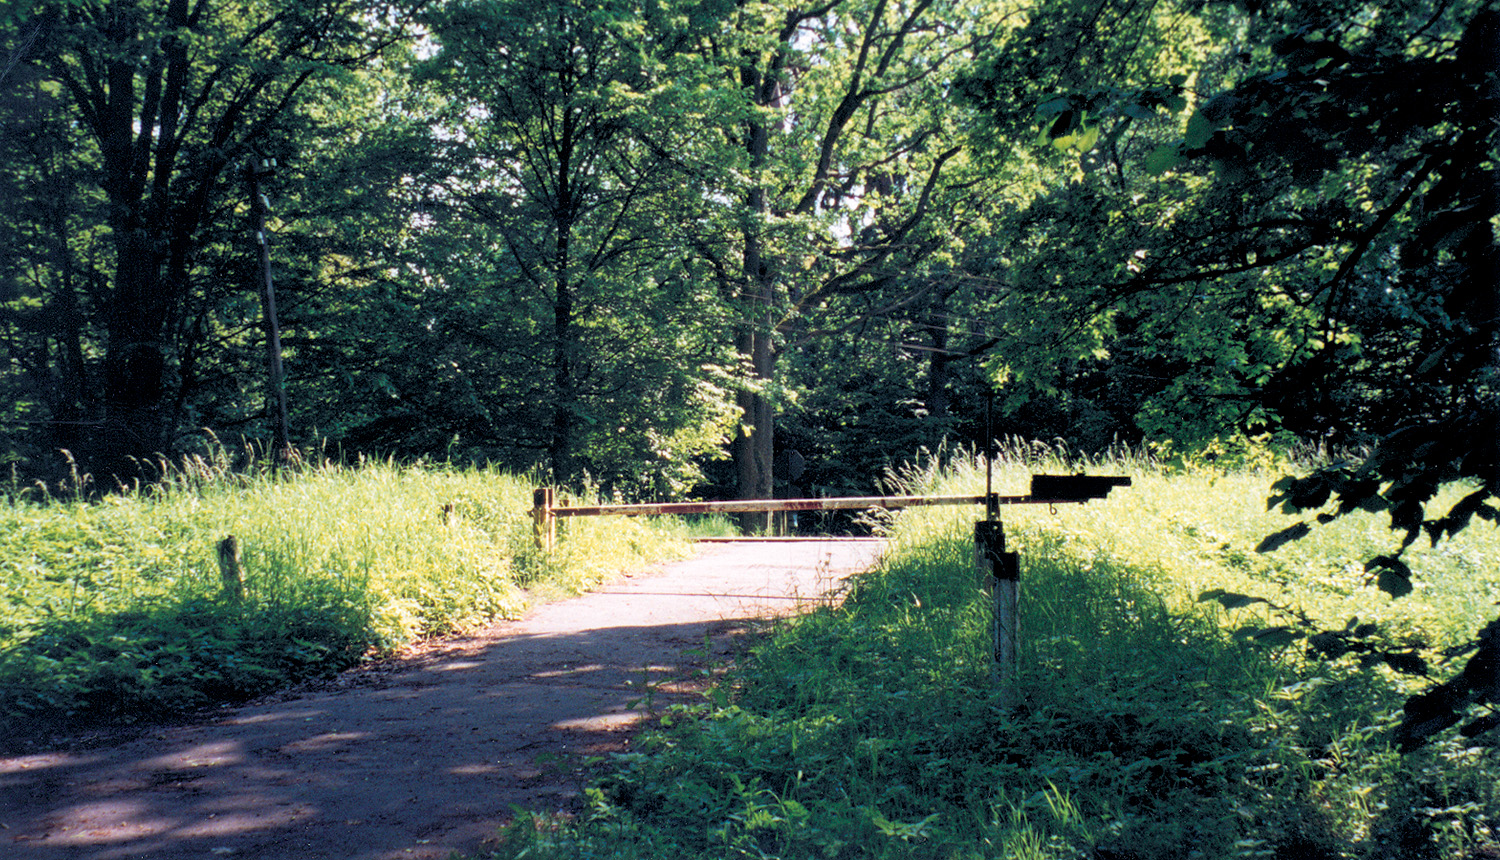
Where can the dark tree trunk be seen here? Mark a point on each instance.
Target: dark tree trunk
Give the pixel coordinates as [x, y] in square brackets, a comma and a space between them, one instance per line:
[564, 350]
[135, 359]
[753, 447]
[166, 132]
[754, 444]
[564, 383]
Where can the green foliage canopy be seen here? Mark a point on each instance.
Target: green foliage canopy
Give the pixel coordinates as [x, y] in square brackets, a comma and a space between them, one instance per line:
[134, 118]
[1311, 252]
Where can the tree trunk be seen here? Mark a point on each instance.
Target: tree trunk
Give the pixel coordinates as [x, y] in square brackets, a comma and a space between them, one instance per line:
[136, 352]
[564, 374]
[754, 444]
[70, 391]
[135, 361]
[564, 416]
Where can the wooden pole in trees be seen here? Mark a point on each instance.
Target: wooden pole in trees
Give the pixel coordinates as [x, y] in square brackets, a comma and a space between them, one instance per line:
[991, 503]
[276, 410]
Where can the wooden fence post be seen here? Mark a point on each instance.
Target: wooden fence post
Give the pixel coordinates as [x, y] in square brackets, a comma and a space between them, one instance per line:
[543, 520]
[1000, 571]
[231, 569]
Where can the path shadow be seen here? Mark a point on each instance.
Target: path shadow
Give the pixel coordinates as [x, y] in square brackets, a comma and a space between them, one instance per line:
[415, 758]
[442, 746]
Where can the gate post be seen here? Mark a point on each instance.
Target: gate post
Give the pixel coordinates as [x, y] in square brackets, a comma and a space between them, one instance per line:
[544, 522]
[1000, 572]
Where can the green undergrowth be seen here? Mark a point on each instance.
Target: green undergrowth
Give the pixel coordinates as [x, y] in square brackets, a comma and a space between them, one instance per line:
[1145, 722]
[116, 611]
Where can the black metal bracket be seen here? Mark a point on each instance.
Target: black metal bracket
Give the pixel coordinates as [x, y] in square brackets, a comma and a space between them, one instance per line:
[1074, 488]
[989, 538]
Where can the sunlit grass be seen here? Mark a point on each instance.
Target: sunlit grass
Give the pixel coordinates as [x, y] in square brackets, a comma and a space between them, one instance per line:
[117, 607]
[1188, 530]
[1143, 724]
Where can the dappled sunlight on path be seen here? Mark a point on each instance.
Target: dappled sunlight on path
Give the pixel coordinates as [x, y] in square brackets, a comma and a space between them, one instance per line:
[425, 755]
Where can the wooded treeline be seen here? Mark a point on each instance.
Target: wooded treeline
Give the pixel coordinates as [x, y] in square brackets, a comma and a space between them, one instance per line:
[660, 243]
[763, 246]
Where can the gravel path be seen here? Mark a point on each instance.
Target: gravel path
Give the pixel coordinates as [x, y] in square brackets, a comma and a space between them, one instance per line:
[423, 755]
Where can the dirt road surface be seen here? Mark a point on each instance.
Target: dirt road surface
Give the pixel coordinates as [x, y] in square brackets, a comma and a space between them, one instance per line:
[424, 755]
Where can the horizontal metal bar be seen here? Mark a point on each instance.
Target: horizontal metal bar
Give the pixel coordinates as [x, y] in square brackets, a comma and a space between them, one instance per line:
[746, 505]
[787, 539]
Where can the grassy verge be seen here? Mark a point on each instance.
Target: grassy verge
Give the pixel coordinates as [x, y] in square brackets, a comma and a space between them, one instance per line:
[1148, 724]
[116, 611]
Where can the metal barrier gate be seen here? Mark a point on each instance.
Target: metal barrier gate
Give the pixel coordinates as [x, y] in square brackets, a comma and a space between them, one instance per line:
[1045, 490]
[998, 569]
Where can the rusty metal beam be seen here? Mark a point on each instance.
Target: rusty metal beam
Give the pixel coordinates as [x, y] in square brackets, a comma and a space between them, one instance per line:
[835, 504]
[1061, 491]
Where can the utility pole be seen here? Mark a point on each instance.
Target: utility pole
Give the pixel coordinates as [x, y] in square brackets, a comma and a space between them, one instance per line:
[256, 170]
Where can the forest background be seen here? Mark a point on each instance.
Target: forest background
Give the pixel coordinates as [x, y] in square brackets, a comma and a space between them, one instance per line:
[756, 248]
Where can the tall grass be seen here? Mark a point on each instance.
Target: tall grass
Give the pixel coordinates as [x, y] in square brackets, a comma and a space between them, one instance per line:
[1144, 724]
[116, 609]
[1192, 527]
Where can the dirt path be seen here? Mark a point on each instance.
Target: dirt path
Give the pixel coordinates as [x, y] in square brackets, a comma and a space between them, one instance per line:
[422, 756]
